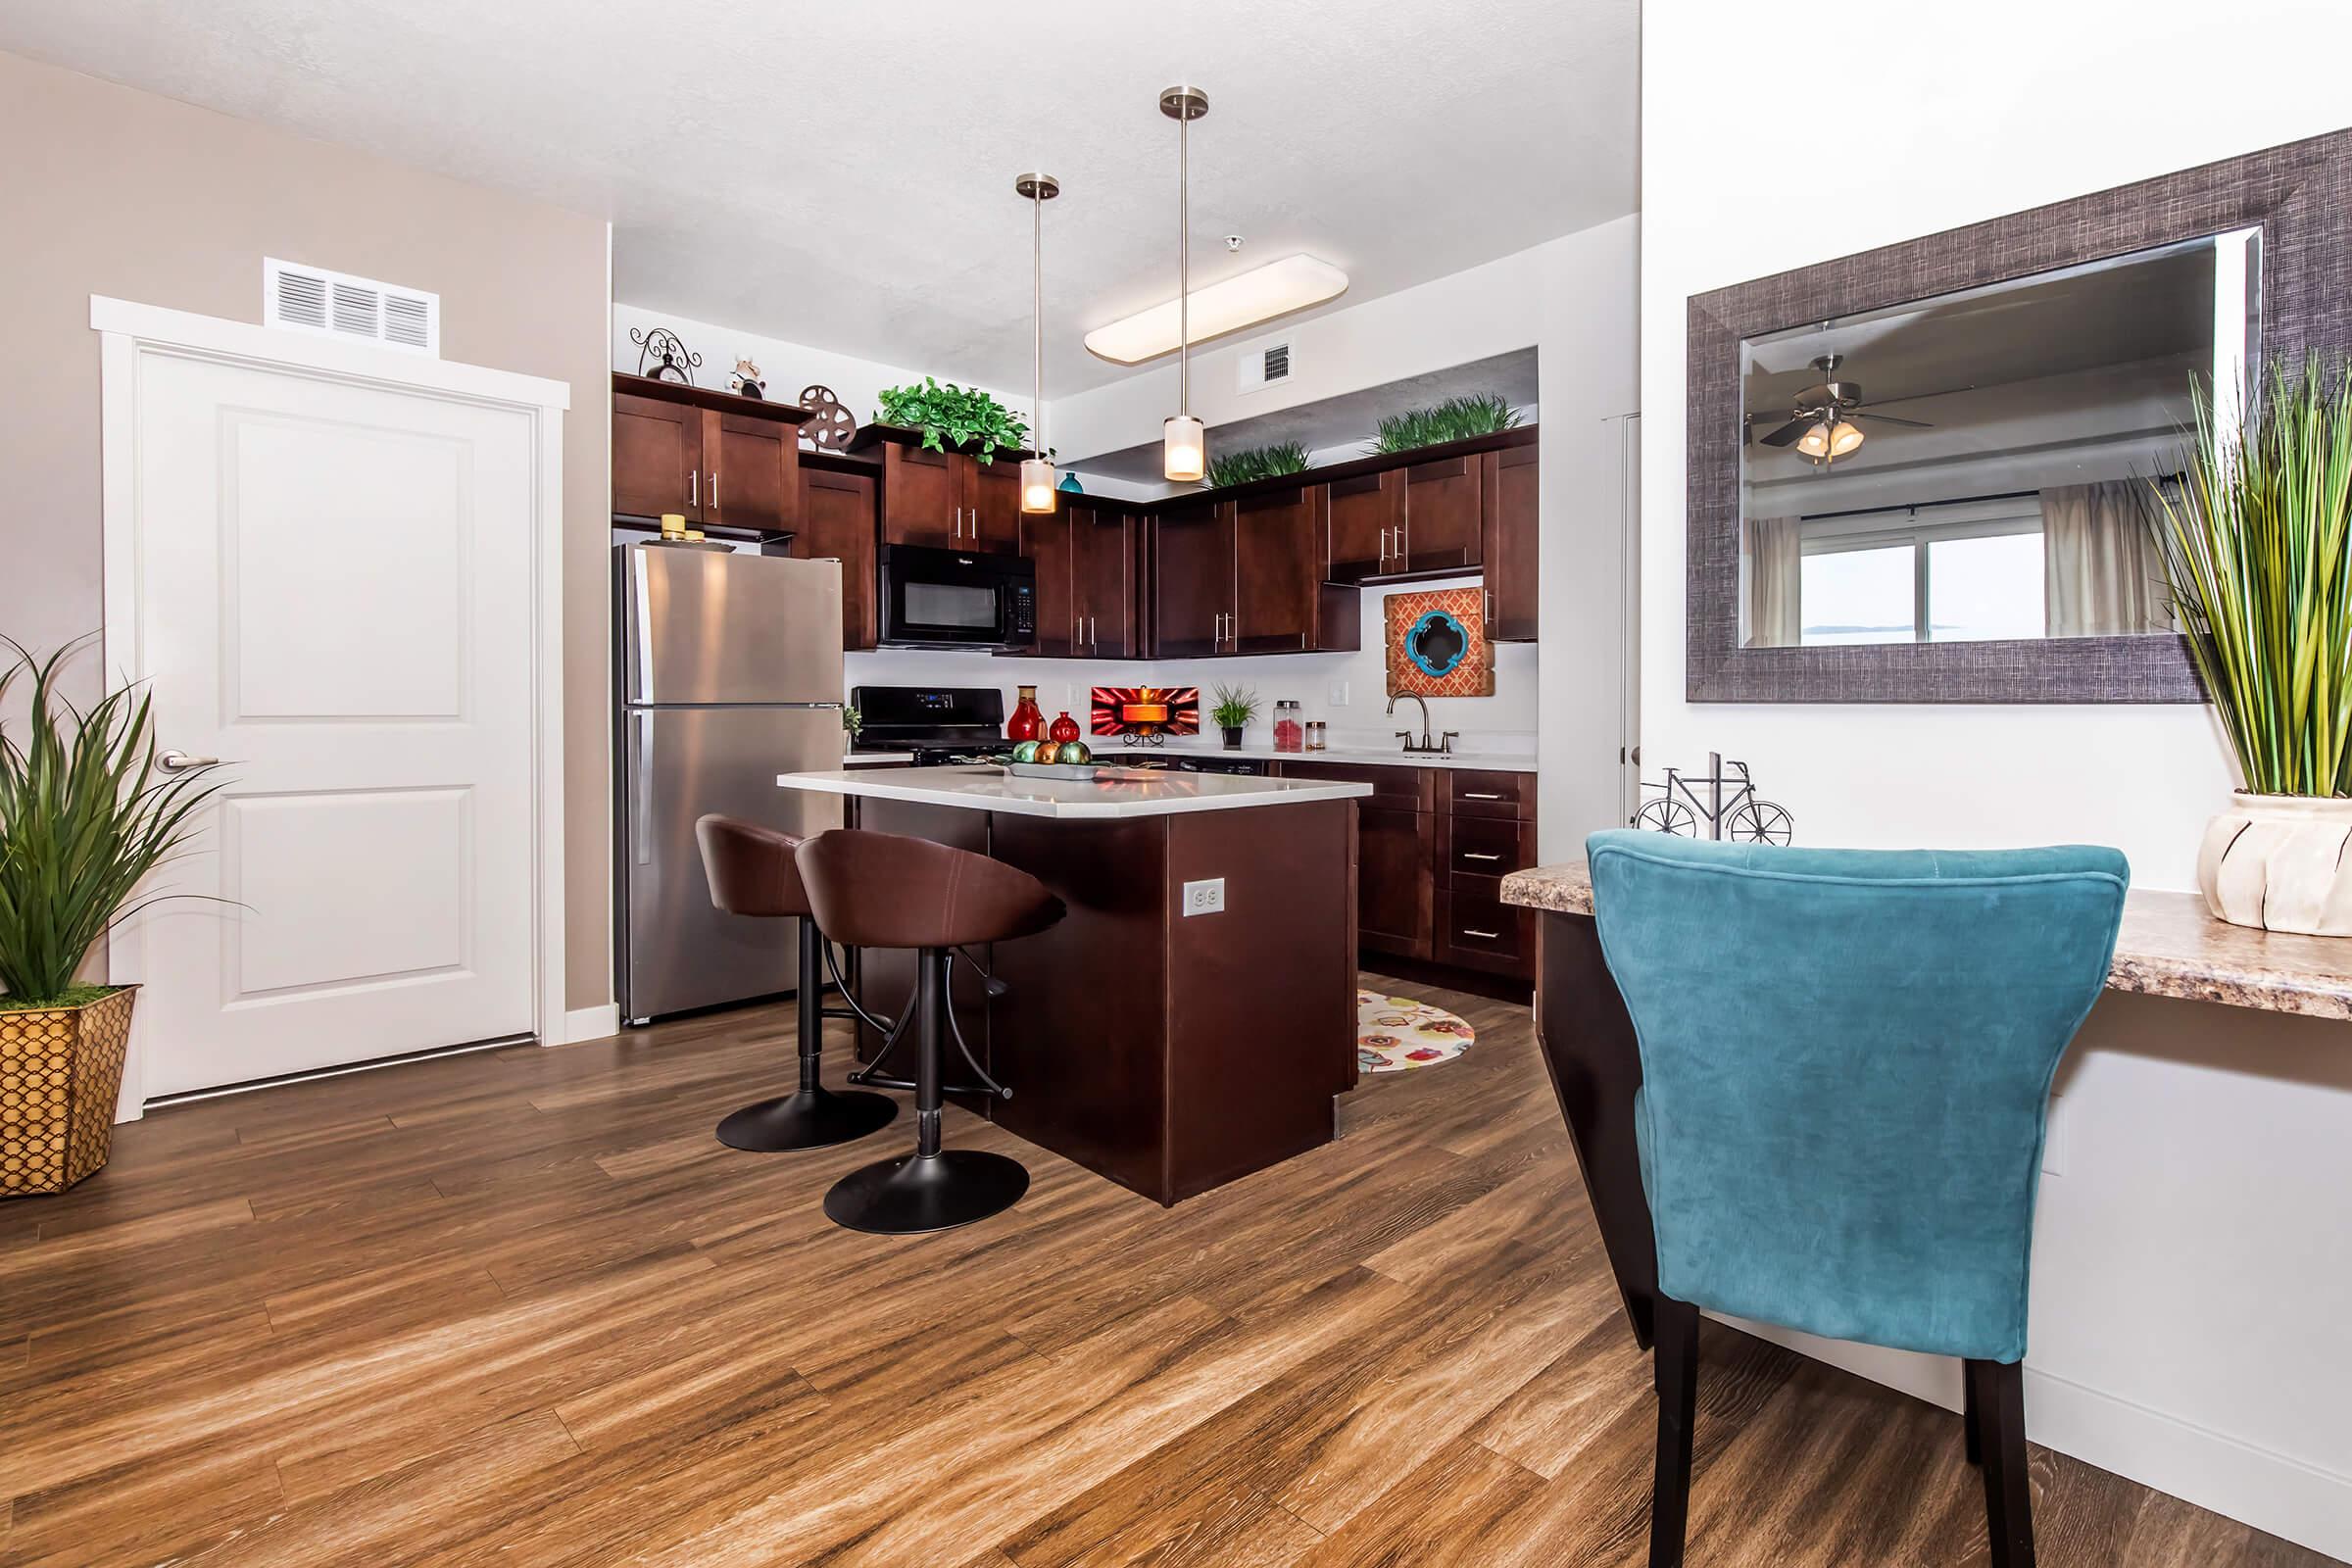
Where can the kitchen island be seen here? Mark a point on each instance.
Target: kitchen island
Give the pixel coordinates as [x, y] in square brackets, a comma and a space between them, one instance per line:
[1170, 1052]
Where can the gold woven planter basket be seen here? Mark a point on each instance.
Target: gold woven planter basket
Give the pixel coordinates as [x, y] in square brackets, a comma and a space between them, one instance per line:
[61, 1069]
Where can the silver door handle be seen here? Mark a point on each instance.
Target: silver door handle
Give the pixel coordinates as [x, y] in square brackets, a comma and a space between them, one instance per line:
[694, 487]
[640, 808]
[1473, 795]
[715, 490]
[1473, 854]
[182, 762]
[1483, 935]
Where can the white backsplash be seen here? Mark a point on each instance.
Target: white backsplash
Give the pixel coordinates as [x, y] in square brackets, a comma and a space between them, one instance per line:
[1505, 722]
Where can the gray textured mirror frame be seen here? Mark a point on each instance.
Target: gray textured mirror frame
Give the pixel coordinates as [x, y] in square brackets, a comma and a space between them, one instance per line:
[2299, 195]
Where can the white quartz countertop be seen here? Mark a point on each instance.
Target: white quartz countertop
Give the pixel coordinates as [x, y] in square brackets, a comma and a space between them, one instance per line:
[1118, 794]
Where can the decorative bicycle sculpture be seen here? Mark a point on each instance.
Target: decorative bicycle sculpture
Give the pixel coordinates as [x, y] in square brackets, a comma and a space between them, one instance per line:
[1730, 806]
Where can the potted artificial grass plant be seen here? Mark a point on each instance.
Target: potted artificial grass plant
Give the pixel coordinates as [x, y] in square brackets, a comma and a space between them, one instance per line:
[85, 815]
[2258, 554]
[1235, 709]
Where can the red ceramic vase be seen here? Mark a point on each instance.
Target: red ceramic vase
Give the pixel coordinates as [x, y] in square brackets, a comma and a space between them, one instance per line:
[1065, 728]
[1027, 718]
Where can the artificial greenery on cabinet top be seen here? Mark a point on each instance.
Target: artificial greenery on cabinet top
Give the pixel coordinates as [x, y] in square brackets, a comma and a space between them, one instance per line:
[952, 417]
[1455, 420]
[1257, 463]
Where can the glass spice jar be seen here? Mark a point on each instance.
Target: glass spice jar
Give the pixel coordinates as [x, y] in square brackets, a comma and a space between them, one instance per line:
[1290, 734]
[1315, 735]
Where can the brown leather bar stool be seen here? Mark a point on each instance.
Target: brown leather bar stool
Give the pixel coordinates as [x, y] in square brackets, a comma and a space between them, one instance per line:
[882, 890]
[751, 872]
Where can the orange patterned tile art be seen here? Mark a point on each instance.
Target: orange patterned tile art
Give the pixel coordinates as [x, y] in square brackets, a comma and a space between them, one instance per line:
[1438, 645]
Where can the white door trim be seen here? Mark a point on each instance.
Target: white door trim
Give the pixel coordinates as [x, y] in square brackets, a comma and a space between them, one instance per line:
[130, 333]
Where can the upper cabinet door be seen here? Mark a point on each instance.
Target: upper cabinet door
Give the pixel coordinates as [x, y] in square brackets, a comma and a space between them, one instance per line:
[1277, 547]
[1512, 552]
[992, 504]
[1192, 580]
[656, 456]
[1442, 514]
[922, 497]
[837, 520]
[1104, 570]
[1045, 538]
[1367, 517]
[751, 471]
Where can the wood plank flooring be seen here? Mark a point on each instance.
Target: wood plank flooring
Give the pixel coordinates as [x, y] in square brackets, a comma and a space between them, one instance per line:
[522, 1308]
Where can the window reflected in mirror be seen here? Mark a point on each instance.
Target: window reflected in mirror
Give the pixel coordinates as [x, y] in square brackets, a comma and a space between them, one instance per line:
[1978, 466]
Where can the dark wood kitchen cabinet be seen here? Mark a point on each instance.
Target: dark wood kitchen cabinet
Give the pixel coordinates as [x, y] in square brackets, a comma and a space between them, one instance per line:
[1433, 845]
[1444, 514]
[992, 504]
[1045, 541]
[1106, 580]
[1192, 579]
[718, 459]
[837, 522]
[1511, 553]
[1367, 515]
[945, 500]
[1241, 576]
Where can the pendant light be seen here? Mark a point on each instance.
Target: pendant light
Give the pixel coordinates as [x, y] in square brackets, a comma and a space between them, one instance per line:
[1037, 472]
[1182, 441]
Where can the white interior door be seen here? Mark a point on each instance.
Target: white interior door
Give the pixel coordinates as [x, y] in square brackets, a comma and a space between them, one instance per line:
[335, 596]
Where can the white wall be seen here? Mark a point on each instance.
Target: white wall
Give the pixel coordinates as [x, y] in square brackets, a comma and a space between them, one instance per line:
[2191, 1282]
[1504, 722]
[788, 366]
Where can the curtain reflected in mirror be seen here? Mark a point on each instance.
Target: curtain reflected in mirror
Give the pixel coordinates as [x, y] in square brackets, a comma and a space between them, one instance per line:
[1979, 467]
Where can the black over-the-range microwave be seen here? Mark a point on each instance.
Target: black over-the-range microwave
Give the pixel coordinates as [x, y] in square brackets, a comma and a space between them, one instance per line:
[933, 598]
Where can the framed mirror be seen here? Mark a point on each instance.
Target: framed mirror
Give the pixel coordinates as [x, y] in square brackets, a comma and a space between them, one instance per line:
[1924, 473]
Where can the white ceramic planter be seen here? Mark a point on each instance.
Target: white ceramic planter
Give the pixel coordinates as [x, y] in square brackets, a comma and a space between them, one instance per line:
[2280, 862]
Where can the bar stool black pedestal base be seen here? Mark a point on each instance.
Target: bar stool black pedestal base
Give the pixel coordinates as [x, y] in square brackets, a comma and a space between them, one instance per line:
[810, 1118]
[919, 1193]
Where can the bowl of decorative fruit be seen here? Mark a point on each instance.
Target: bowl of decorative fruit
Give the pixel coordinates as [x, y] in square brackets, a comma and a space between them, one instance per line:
[1051, 759]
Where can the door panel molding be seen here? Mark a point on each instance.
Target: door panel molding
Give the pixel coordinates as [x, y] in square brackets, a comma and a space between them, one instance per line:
[133, 337]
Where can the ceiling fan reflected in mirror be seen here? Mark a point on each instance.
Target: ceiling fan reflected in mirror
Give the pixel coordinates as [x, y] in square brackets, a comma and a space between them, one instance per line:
[1821, 418]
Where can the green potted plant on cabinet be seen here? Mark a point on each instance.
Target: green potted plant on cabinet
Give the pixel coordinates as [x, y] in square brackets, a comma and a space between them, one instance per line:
[953, 418]
[1235, 709]
[1455, 420]
[2257, 546]
[87, 811]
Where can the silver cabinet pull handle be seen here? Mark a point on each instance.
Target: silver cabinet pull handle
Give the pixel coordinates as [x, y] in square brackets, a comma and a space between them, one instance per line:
[715, 490]
[1473, 854]
[694, 487]
[182, 762]
[1483, 935]
[1474, 795]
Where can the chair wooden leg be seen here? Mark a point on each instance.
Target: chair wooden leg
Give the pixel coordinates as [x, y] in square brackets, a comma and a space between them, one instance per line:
[1968, 1412]
[1676, 1374]
[2008, 1488]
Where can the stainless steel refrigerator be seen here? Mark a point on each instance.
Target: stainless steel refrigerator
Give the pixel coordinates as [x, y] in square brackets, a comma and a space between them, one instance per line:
[729, 674]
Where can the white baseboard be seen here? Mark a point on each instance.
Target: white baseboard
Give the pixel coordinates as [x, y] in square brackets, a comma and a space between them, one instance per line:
[2255, 1486]
[590, 1024]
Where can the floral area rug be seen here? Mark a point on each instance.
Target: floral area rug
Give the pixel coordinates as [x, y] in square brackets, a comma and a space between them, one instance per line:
[1397, 1034]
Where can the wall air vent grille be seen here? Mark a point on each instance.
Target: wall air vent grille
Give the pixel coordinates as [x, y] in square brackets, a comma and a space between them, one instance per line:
[1278, 362]
[311, 299]
[1261, 367]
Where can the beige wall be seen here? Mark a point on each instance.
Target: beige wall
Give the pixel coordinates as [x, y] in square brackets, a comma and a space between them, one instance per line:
[105, 190]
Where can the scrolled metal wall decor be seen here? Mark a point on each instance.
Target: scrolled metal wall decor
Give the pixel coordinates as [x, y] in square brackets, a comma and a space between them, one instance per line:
[662, 357]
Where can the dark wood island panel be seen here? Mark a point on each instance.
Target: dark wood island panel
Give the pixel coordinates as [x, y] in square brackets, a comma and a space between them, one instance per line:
[1169, 1053]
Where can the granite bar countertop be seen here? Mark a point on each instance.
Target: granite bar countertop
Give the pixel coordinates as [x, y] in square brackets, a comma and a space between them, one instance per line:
[1114, 792]
[2169, 946]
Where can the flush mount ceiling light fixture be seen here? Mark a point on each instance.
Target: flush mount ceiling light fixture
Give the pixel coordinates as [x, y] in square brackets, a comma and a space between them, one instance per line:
[1037, 472]
[1259, 295]
[1183, 442]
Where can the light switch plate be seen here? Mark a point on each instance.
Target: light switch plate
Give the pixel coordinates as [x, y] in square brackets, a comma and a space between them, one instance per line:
[1205, 897]
[1339, 694]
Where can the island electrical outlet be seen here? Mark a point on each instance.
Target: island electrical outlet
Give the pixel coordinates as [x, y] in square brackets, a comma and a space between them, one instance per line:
[1205, 898]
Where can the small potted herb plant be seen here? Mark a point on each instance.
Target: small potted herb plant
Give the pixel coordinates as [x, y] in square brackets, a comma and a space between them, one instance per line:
[1235, 709]
[85, 815]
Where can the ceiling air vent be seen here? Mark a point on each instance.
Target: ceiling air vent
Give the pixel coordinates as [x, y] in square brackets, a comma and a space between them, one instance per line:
[311, 299]
[1261, 368]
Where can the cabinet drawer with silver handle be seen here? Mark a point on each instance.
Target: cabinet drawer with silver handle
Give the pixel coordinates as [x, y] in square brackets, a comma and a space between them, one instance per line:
[1488, 846]
[1475, 792]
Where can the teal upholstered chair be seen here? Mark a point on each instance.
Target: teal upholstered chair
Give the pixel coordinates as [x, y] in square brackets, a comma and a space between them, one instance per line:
[1847, 1058]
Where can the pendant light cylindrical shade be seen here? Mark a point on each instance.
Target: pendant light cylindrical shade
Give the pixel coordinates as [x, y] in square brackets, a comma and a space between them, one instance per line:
[1183, 447]
[1184, 441]
[1037, 472]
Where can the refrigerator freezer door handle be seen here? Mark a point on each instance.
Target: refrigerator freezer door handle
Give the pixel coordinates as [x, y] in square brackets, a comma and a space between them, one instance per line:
[644, 674]
[640, 803]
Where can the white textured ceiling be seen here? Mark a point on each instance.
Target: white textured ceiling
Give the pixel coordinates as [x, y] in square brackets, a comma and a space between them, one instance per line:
[841, 173]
